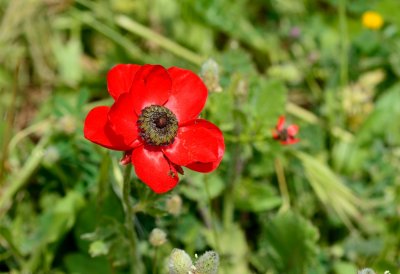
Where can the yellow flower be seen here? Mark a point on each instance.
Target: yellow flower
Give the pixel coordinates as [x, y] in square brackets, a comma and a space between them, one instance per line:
[372, 20]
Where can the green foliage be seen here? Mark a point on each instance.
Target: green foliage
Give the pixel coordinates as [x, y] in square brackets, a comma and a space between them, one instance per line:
[328, 204]
[290, 243]
[332, 193]
[255, 197]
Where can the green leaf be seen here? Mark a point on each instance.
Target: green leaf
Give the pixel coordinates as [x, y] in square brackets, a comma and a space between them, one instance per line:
[383, 121]
[78, 263]
[389, 9]
[348, 157]
[233, 247]
[268, 101]
[290, 242]
[344, 268]
[56, 221]
[255, 197]
[201, 187]
[68, 57]
[98, 248]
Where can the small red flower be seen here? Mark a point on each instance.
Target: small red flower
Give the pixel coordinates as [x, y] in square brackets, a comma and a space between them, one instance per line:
[285, 134]
[155, 121]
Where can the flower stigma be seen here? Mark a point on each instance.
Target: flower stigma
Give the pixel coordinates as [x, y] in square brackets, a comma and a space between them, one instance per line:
[157, 125]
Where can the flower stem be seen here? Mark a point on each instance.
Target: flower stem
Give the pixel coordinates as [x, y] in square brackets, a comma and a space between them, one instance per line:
[344, 44]
[135, 264]
[280, 173]
[18, 179]
[134, 27]
[210, 212]
[236, 164]
[155, 263]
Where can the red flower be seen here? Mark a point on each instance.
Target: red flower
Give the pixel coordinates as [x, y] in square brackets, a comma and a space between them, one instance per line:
[155, 121]
[285, 134]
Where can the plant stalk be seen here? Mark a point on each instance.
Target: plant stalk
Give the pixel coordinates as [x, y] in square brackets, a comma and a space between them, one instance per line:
[145, 32]
[136, 266]
[280, 173]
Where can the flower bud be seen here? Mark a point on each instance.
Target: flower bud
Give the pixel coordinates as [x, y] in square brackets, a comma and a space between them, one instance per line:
[98, 248]
[208, 263]
[51, 155]
[179, 262]
[174, 205]
[210, 75]
[295, 32]
[157, 237]
[366, 271]
[67, 124]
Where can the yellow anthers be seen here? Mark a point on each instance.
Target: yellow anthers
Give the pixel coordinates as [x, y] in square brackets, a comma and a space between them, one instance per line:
[372, 20]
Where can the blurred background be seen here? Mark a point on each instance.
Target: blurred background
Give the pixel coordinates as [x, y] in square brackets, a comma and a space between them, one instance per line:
[328, 204]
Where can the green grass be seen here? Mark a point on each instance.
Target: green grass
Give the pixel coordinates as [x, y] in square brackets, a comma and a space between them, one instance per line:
[329, 204]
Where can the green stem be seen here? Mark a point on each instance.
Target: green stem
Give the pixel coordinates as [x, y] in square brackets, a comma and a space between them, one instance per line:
[10, 113]
[145, 32]
[228, 208]
[280, 173]
[210, 212]
[344, 44]
[235, 168]
[20, 178]
[136, 264]
[111, 34]
[155, 260]
[234, 178]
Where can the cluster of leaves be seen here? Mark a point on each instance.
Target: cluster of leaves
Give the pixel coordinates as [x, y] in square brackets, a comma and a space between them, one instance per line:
[329, 204]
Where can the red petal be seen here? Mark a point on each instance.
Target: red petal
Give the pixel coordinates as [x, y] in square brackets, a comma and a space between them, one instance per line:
[154, 169]
[151, 86]
[189, 94]
[122, 118]
[290, 141]
[292, 130]
[120, 78]
[275, 134]
[281, 123]
[203, 167]
[97, 130]
[199, 141]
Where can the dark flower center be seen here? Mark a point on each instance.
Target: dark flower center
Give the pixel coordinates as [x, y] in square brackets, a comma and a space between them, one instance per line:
[283, 135]
[158, 125]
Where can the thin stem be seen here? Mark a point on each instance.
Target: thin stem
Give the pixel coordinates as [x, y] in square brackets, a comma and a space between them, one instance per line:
[155, 260]
[112, 34]
[210, 212]
[280, 173]
[9, 124]
[233, 177]
[136, 264]
[20, 178]
[145, 32]
[236, 164]
[344, 44]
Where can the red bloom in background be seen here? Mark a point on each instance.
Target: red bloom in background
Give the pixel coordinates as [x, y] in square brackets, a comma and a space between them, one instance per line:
[285, 134]
[154, 120]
